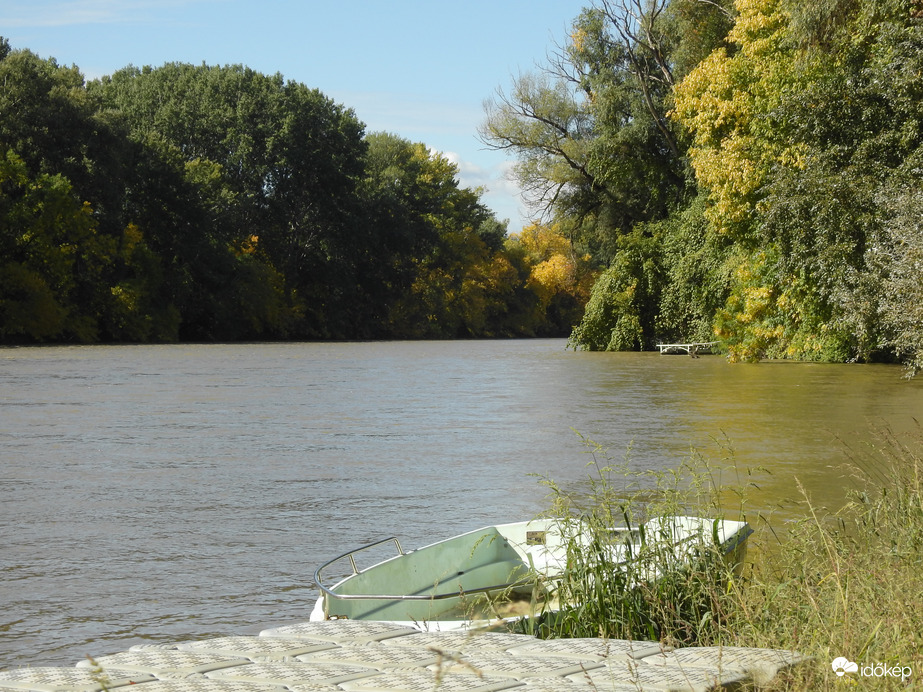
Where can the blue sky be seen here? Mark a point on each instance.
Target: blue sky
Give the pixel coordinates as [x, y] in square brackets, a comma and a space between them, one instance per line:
[419, 68]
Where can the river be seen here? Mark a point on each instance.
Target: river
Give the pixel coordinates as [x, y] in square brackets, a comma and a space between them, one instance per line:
[158, 493]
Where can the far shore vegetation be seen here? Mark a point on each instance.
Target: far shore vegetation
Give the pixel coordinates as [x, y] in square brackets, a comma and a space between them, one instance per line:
[840, 581]
[747, 171]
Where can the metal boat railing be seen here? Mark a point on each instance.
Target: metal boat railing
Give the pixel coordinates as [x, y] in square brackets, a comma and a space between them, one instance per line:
[403, 597]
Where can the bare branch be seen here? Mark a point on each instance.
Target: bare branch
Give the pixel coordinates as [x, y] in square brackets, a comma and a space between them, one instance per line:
[723, 10]
[634, 25]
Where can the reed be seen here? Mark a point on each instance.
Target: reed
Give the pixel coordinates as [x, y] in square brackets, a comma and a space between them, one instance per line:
[99, 676]
[847, 582]
[838, 582]
[647, 590]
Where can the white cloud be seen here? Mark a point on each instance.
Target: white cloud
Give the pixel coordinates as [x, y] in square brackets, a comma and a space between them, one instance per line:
[470, 174]
[502, 193]
[412, 116]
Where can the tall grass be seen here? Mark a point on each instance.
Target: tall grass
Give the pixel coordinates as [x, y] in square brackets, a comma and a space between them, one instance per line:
[847, 581]
[636, 584]
[838, 582]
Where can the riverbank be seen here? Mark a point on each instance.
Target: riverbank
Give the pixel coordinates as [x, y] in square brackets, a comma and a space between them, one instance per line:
[847, 582]
[843, 585]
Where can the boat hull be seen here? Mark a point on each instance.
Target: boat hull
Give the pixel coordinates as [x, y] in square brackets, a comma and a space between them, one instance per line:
[497, 574]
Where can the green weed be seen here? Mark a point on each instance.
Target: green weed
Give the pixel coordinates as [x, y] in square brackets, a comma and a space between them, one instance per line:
[837, 582]
[635, 583]
[847, 582]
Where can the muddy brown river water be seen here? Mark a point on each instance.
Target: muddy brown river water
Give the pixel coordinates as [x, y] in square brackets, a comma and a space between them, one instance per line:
[154, 493]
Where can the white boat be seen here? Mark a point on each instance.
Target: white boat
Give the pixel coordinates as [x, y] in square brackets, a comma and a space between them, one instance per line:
[503, 573]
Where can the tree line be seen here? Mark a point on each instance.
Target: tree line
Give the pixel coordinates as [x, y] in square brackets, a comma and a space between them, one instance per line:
[748, 170]
[205, 203]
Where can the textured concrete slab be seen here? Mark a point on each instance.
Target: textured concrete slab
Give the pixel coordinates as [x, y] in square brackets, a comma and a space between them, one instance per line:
[288, 674]
[589, 649]
[203, 685]
[464, 641]
[518, 667]
[556, 685]
[258, 648]
[378, 656]
[760, 665]
[355, 656]
[69, 679]
[342, 631]
[165, 664]
[660, 677]
[429, 681]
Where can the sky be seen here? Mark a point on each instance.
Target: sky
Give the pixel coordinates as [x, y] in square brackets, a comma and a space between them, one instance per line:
[421, 69]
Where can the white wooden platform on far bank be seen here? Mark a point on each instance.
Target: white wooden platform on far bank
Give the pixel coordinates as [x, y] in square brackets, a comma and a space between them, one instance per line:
[690, 348]
[356, 656]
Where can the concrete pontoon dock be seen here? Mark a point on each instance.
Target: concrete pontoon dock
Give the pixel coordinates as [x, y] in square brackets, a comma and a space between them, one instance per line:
[358, 656]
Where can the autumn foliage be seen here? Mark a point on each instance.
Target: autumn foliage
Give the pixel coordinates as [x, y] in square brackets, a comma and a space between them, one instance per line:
[747, 170]
[218, 203]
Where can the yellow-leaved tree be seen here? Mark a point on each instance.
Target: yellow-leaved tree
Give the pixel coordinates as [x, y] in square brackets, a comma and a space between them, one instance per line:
[561, 278]
[731, 104]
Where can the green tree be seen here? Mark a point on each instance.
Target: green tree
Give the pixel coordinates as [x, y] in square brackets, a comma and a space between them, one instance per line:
[70, 144]
[698, 269]
[597, 146]
[65, 147]
[56, 127]
[403, 196]
[622, 309]
[48, 240]
[900, 288]
[277, 162]
[591, 130]
[797, 135]
[444, 245]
